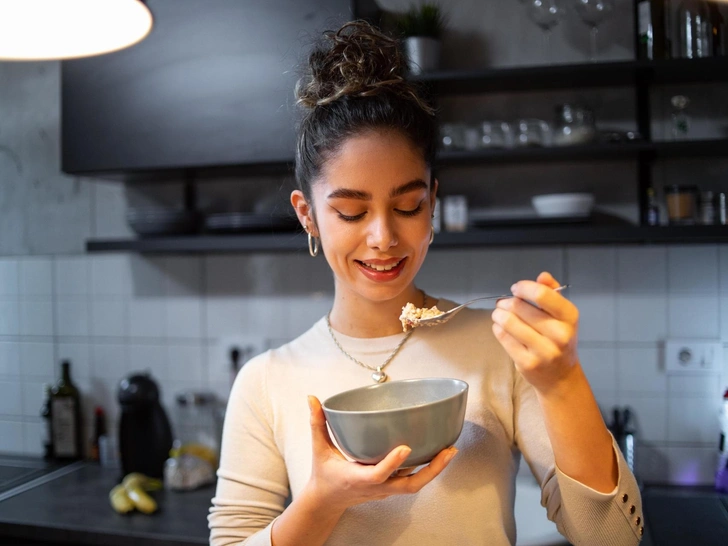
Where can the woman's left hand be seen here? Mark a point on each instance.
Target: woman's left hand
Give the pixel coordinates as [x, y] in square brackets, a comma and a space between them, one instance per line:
[540, 340]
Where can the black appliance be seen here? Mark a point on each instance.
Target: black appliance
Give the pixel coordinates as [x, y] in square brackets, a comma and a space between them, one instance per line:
[211, 86]
[145, 435]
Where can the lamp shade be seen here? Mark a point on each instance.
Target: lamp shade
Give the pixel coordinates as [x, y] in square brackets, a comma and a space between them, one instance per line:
[64, 29]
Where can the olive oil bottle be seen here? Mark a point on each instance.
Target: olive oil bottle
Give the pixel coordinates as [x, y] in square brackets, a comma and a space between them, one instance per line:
[66, 417]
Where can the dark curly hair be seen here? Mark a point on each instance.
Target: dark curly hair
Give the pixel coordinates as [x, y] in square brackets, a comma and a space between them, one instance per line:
[355, 81]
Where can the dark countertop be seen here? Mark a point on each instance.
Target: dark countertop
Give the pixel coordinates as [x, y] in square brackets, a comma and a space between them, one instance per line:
[74, 508]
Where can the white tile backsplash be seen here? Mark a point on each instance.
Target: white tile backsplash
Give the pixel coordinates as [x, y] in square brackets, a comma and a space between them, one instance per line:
[694, 420]
[110, 275]
[9, 282]
[9, 317]
[183, 317]
[11, 437]
[11, 401]
[36, 318]
[112, 315]
[73, 318]
[37, 360]
[650, 415]
[72, 277]
[9, 359]
[147, 318]
[597, 315]
[694, 316]
[36, 277]
[693, 269]
[690, 465]
[641, 370]
[109, 318]
[592, 269]
[600, 366]
[641, 317]
[641, 270]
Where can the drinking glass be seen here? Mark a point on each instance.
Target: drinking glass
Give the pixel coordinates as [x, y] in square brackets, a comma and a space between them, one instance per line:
[593, 12]
[546, 14]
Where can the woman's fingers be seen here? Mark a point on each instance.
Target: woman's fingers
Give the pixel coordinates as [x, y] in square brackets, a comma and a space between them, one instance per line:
[558, 331]
[319, 432]
[414, 482]
[380, 472]
[546, 298]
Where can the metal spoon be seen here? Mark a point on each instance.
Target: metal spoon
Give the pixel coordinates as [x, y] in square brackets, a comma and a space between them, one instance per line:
[447, 315]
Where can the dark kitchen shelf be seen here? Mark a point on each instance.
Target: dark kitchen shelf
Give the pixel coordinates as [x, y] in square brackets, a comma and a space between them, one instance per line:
[570, 76]
[497, 236]
[588, 152]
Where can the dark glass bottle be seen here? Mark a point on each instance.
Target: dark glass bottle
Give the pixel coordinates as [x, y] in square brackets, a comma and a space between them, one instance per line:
[717, 25]
[46, 424]
[99, 431]
[652, 32]
[653, 210]
[66, 417]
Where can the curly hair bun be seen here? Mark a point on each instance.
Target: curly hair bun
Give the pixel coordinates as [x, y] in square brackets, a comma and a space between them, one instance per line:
[356, 61]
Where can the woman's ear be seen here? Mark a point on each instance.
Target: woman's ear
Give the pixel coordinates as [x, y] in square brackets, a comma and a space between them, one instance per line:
[433, 194]
[304, 211]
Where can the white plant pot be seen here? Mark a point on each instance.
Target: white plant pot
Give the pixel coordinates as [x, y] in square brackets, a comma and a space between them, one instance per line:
[423, 54]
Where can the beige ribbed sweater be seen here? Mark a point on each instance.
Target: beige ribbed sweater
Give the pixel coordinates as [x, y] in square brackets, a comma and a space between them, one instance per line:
[266, 447]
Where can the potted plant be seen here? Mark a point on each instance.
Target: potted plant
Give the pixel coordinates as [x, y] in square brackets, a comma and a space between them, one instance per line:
[421, 28]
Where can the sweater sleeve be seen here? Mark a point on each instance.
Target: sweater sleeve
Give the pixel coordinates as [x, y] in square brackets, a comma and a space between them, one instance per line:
[252, 482]
[582, 514]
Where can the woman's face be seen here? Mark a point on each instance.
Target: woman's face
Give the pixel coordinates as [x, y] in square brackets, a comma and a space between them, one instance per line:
[372, 207]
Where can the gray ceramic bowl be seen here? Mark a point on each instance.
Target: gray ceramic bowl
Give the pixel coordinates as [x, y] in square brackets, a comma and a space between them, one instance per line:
[425, 414]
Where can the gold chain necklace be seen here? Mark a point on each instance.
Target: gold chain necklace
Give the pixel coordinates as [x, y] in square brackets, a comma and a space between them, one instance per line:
[378, 375]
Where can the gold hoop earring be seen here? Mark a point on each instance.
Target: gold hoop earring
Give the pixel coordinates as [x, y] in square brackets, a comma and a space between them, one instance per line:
[432, 233]
[313, 245]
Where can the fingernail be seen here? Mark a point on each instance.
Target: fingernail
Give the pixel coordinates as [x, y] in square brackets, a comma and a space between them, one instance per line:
[309, 398]
[449, 456]
[404, 451]
[513, 288]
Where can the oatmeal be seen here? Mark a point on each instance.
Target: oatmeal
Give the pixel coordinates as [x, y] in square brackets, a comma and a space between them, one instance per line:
[412, 315]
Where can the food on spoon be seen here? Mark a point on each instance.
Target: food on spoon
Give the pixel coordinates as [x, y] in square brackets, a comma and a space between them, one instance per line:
[412, 315]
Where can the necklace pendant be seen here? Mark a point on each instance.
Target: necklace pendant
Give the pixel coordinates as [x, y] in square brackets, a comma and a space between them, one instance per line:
[379, 376]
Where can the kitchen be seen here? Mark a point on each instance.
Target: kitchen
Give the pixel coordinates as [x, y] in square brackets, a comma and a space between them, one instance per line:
[178, 314]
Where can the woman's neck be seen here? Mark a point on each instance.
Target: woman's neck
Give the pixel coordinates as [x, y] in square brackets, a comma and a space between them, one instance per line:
[355, 316]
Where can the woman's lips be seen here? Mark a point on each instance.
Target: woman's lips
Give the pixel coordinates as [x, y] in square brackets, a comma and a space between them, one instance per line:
[381, 276]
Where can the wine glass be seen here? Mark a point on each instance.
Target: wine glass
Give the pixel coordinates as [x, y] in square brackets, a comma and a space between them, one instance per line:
[593, 12]
[546, 14]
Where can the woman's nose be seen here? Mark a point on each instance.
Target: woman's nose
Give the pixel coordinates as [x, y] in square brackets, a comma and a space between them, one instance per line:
[382, 234]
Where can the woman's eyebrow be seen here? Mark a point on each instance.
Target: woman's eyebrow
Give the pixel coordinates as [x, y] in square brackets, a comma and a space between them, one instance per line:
[417, 184]
[346, 193]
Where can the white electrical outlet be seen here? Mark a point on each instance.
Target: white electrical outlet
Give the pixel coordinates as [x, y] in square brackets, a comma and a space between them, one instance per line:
[693, 356]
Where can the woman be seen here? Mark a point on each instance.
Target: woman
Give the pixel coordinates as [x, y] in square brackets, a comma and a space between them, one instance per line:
[366, 198]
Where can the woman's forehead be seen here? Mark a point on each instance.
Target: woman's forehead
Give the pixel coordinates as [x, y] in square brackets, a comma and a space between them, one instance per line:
[375, 161]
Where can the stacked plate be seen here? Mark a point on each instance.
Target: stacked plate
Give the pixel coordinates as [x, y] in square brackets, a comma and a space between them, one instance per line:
[155, 222]
[245, 222]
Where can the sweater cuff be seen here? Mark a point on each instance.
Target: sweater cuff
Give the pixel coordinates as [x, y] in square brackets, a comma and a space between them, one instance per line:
[625, 496]
[263, 537]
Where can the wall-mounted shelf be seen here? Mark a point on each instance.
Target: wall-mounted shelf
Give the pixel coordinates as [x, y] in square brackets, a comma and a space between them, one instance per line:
[638, 74]
[569, 76]
[493, 237]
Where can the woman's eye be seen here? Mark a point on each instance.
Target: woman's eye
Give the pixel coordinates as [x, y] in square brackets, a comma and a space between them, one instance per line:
[412, 212]
[351, 218]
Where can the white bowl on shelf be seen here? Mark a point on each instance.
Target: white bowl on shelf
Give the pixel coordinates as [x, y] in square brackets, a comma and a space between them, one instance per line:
[556, 205]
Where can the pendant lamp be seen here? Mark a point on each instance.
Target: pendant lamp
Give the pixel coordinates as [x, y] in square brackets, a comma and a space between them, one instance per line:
[33, 30]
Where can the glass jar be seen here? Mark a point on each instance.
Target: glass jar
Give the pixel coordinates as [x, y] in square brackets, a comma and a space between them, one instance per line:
[495, 134]
[532, 132]
[681, 204]
[574, 125]
[695, 29]
[198, 420]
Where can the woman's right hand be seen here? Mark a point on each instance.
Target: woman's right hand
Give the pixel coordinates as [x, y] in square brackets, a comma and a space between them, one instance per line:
[338, 483]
